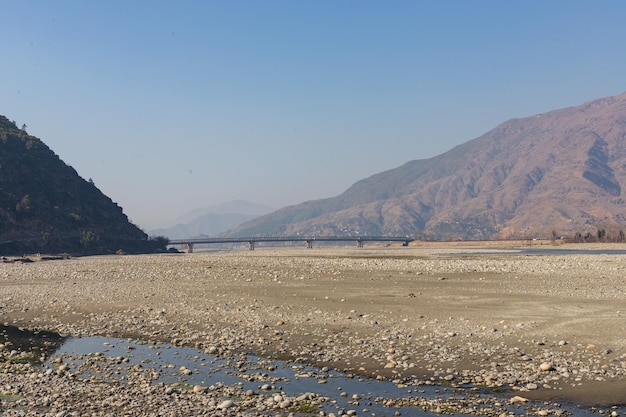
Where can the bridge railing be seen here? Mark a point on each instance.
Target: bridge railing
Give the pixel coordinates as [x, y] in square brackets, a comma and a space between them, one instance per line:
[252, 240]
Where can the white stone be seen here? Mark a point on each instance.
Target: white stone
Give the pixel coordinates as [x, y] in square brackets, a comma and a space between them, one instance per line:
[226, 404]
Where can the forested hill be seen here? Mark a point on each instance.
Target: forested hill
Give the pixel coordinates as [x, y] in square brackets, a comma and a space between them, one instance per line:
[45, 206]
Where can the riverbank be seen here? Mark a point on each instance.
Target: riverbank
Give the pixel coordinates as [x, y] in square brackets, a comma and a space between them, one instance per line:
[545, 327]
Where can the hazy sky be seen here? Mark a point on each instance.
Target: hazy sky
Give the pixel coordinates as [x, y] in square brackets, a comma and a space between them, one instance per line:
[172, 106]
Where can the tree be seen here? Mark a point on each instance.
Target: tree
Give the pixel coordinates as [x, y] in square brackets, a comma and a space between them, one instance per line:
[553, 236]
[24, 204]
[45, 237]
[88, 238]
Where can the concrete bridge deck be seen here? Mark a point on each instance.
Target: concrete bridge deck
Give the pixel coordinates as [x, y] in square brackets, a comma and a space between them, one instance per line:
[251, 241]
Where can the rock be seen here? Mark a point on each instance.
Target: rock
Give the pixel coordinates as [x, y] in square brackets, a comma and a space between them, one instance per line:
[545, 366]
[518, 400]
[226, 404]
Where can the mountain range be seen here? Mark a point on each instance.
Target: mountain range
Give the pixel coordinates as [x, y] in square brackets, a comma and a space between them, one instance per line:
[213, 220]
[562, 173]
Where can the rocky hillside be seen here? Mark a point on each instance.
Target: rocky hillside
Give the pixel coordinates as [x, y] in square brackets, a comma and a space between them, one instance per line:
[45, 206]
[558, 173]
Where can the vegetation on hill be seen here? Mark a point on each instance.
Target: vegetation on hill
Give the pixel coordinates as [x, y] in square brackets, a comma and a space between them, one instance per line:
[45, 206]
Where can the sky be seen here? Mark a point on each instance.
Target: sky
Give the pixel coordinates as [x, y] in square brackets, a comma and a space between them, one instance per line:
[173, 106]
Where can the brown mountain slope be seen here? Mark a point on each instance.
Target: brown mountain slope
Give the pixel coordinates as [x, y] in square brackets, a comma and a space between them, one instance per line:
[564, 170]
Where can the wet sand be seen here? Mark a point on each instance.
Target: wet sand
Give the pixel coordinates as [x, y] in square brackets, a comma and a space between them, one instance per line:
[543, 326]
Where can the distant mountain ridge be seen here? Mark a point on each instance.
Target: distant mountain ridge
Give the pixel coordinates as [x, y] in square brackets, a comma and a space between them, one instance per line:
[213, 220]
[562, 171]
[45, 206]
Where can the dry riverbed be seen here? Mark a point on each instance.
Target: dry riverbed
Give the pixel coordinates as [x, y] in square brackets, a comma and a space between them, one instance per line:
[534, 327]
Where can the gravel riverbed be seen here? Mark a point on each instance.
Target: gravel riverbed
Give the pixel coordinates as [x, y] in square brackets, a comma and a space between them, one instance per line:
[536, 330]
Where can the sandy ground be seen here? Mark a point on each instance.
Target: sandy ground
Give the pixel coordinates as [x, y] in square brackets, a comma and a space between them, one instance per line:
[546, 326]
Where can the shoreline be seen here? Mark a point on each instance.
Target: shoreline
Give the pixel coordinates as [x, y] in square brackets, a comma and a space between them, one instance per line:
[409, 313]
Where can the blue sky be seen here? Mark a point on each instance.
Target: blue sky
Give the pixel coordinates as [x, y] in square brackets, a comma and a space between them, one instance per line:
[172, 106]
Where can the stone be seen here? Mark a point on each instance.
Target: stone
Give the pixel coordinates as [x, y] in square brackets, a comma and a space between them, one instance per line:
[518, 400]
[226, 404]
[545, 366]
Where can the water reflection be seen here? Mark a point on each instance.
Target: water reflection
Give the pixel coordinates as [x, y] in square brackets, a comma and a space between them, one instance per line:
[117, 361]
[29, 344]
[186, 367]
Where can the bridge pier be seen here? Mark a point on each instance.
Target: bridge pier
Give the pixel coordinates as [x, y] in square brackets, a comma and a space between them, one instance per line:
[252, 240]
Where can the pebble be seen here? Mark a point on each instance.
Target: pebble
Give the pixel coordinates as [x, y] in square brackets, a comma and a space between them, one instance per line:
[545, 366]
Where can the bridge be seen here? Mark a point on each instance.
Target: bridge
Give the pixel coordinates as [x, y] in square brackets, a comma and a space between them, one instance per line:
[251, 241]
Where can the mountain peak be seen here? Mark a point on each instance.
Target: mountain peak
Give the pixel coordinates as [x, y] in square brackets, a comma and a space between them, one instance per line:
[562, 170]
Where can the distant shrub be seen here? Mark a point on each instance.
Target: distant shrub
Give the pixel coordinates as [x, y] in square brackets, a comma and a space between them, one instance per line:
[87, 238]
[24, 204]
[158, 243]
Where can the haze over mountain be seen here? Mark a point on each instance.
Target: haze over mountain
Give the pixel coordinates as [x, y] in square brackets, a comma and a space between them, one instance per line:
[45, 206]
[561, 171]
[213, 220]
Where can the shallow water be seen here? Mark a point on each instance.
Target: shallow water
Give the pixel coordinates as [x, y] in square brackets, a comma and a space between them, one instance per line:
[540, 251]
[252, 373]
[35, 342]
[248, 372]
